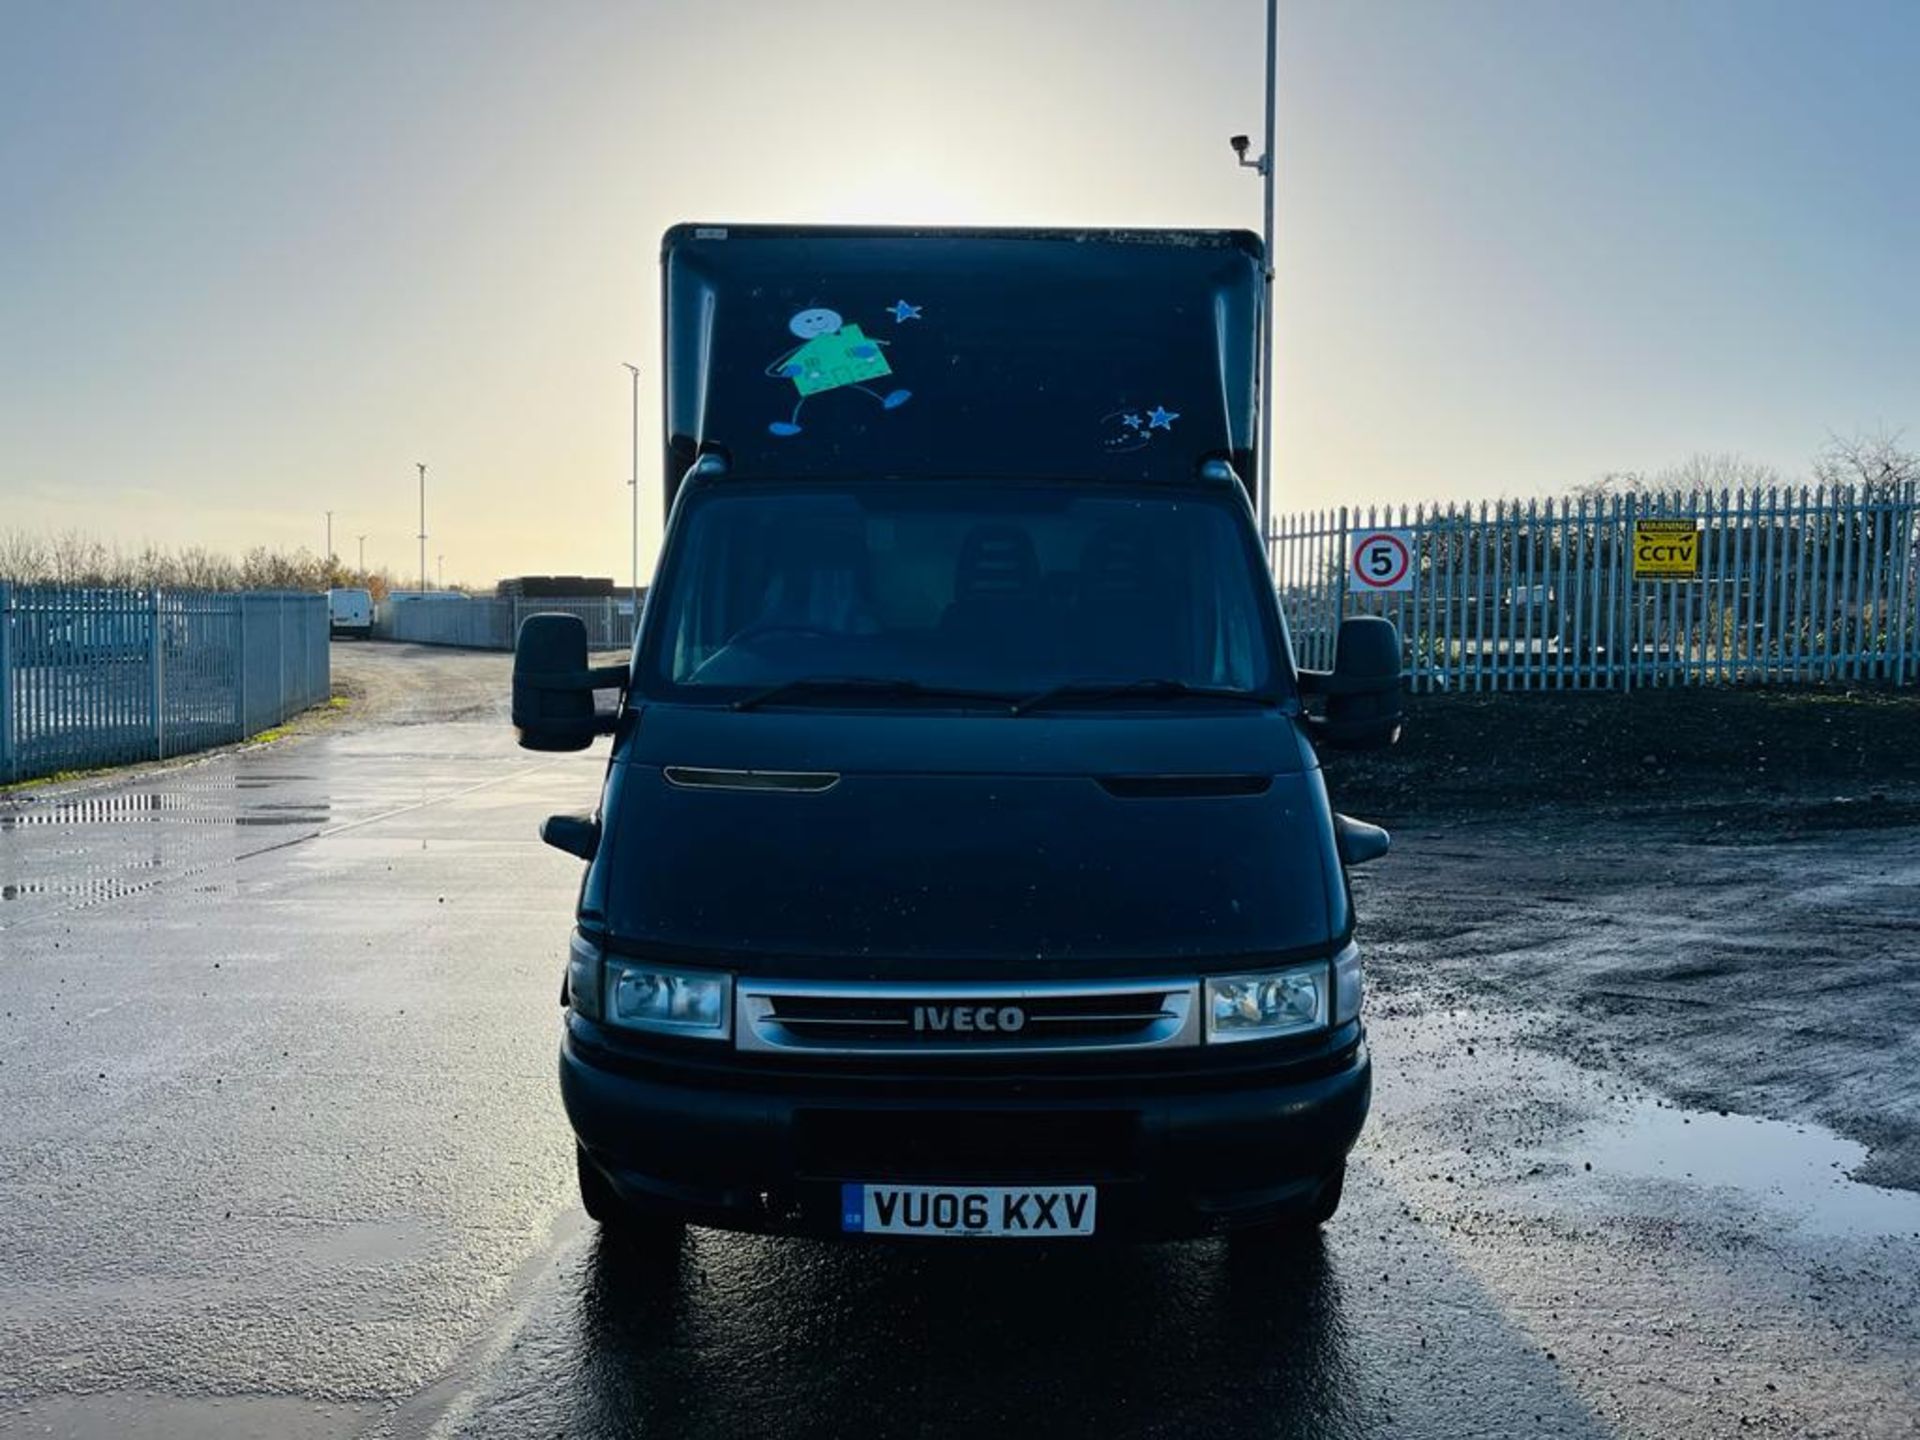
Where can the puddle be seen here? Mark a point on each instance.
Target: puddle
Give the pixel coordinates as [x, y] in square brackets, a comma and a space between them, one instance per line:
[121, 809]
[90, 882]
[103, 889]
[173, 807]
[1801, 1169]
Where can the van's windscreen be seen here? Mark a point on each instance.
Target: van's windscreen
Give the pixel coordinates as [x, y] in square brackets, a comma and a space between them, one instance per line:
[1002, 587]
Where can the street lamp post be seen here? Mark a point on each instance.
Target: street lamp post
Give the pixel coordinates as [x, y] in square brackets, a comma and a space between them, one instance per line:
[421, 467]
[633, 484]
[363, 555]
[329, 537]
[1264, 165]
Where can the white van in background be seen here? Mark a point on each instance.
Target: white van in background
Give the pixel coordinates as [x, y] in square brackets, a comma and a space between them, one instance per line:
[350, 612]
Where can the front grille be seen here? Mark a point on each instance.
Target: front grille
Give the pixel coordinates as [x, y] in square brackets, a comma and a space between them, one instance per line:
[965, 1019]
[965, 1146]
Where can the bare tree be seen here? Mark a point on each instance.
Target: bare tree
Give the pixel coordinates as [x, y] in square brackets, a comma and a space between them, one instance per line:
[1877, 459]
[74, 558]
[23, 557]
[196, 568]
[1700, 473]
[1612, 482]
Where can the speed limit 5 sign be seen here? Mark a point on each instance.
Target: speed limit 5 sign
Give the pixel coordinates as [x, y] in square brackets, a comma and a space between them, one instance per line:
[1382, 559]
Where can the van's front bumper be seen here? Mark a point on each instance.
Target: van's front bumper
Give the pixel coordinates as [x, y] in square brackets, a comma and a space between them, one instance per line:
[1179, 1153]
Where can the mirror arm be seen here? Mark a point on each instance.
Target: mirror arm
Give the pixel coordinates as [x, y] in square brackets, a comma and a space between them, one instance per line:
[578, 835]
[1352, 734]
[572, 682]
[608, 677]
[601, 677]
[1334, 683]
[1358, 841]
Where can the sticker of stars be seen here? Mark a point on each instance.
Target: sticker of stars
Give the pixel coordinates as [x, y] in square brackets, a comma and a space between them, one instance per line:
[1123, 431]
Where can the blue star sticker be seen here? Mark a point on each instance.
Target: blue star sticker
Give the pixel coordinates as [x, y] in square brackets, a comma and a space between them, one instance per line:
[1161, 418]
[903, 311]
[1132, 422]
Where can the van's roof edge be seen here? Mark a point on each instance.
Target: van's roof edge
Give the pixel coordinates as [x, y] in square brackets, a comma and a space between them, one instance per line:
[1234, 238]
[1208, 473]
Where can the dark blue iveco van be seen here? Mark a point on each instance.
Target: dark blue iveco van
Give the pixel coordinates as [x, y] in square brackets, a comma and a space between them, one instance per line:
[963, 866]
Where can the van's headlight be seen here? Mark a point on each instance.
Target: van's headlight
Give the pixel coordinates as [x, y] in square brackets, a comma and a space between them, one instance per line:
[641, 995]
[1261, 1007]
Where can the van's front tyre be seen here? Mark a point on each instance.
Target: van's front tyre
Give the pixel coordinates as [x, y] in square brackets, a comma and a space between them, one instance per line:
[1290, 1229]
[633, 1231]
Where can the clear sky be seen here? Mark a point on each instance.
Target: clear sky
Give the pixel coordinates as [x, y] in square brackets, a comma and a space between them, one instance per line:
[258, 258]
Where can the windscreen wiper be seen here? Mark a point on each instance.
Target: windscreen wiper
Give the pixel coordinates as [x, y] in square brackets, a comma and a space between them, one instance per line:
[1154, 688]
[884, 687]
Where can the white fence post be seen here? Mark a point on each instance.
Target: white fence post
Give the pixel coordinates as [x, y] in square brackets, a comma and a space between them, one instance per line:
[157, 685]
[1908, 547]
[8, 763]
[240, 668]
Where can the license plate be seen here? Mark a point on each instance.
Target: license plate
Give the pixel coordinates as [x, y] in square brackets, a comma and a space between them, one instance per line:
[1006, 1211]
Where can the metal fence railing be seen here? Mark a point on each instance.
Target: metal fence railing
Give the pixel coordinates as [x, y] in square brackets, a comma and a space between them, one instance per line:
[492, 624]
[92, 677]
[1790, 586]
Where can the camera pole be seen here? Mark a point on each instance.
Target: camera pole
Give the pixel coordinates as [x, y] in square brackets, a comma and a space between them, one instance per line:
[1264, 166]
[633, 483]
[423, 525]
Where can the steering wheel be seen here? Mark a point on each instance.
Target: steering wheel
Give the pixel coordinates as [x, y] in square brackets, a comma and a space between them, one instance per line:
[778, 627]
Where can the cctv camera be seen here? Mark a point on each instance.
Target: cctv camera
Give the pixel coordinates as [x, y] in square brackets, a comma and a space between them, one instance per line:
[1239, 143]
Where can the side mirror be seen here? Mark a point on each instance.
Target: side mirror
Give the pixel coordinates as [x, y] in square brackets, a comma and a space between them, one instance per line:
[1362, 691]
[575, 834]
[1359, 842]
[552, 686]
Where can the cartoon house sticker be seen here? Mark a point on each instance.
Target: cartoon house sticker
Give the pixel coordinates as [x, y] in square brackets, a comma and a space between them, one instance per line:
[831, 356]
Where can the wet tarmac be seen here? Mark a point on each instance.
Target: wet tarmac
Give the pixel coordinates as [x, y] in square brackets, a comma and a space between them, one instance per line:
[283, 1157]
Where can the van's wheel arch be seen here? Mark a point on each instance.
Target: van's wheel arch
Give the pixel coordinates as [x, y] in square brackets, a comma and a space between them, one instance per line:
[1302, 1223]
[632, 1229]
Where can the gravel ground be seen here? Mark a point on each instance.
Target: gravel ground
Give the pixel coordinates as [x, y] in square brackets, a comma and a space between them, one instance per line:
[1714, 892]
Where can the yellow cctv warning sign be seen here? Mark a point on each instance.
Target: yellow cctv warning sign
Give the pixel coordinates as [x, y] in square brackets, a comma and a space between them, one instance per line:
[1666, 550]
